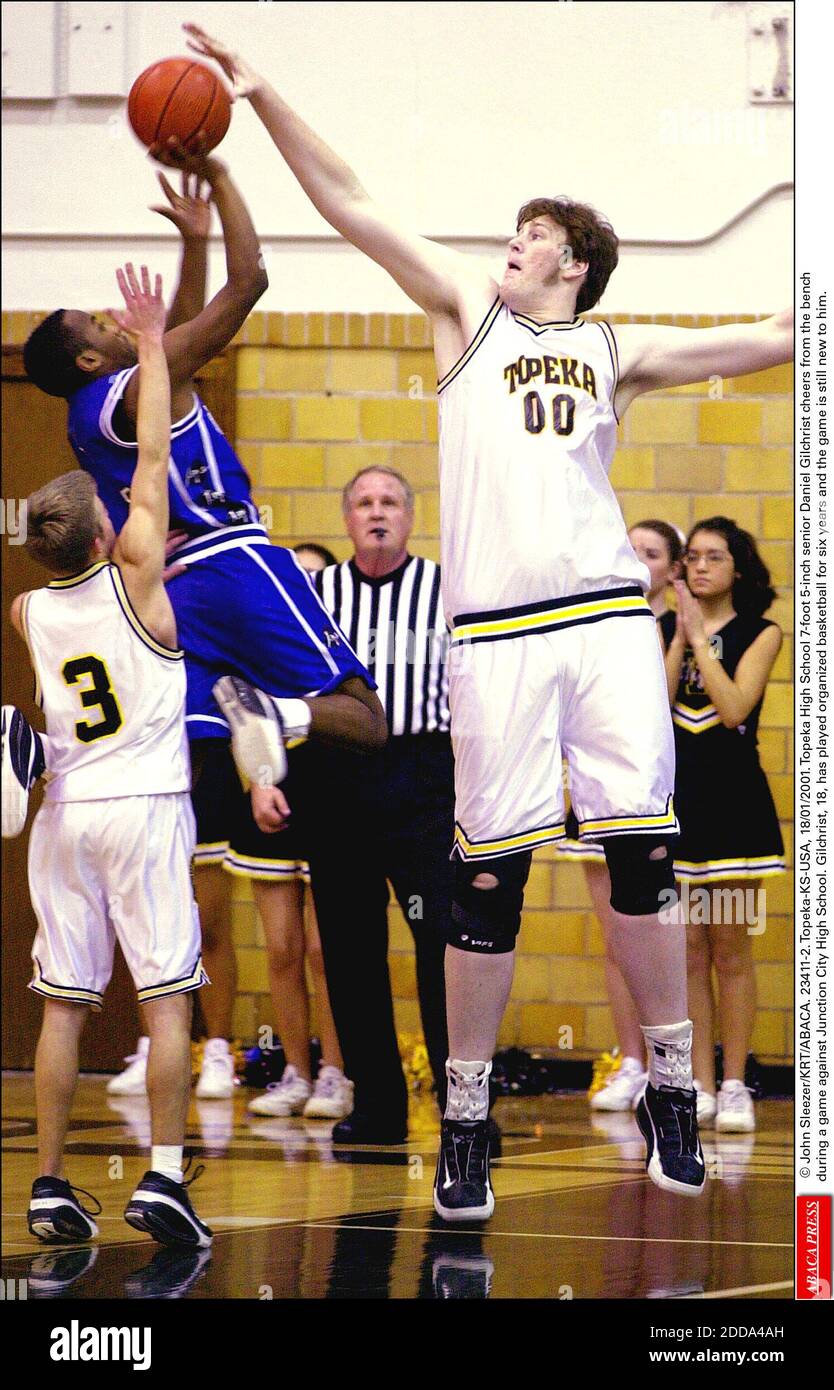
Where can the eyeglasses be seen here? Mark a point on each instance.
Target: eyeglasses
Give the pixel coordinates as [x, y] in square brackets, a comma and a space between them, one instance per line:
[712, 557]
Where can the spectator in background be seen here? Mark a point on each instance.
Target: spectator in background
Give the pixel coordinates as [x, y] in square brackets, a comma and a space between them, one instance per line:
[720, 651]
[314, 557]
[387, 817]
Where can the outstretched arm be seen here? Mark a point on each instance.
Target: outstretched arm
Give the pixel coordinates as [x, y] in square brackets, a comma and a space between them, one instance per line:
[432, 276]
[653, 356]
[190, 212]
[140, 549]
[190, 345]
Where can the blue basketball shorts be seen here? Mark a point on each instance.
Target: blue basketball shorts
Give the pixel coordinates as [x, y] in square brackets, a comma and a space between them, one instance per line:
[245, 607]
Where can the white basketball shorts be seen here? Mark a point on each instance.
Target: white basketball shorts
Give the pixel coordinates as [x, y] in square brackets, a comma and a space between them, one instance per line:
[581, 678]
[117, 869]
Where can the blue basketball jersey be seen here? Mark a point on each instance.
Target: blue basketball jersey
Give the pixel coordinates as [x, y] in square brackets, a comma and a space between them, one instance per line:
[207, 485]
[248, 607]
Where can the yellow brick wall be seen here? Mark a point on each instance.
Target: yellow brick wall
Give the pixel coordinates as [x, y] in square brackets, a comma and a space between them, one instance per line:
[322, 395]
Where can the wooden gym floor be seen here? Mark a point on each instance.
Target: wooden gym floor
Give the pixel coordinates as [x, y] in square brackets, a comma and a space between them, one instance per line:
[296, 1217]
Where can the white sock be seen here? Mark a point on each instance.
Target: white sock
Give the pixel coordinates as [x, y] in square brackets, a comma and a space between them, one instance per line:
[216, 1047]
[167, 1159]
[632, 1064]
[669, 1046]
[296, 717]
[468, 1098]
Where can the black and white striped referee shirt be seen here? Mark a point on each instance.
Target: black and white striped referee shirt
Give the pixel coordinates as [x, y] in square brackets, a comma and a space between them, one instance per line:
[397, 629]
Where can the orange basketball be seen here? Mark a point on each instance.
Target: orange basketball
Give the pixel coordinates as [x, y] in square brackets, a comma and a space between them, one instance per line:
[179, 97]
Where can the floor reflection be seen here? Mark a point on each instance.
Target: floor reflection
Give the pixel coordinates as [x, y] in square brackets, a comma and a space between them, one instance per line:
[297, 1217]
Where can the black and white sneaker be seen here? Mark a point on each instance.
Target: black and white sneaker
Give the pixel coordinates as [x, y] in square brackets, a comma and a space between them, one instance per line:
[170, 1274]
[462, 1189]
[162, 1208]
[55, 1213]
[257, 731]
[53, 1271]
[669, 1124]
[462, 1276]
[23, 762]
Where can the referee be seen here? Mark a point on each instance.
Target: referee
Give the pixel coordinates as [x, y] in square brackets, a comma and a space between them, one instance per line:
[387, 817]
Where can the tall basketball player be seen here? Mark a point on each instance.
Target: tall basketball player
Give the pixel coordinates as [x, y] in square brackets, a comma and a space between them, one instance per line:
[548, 611]
[111, 847]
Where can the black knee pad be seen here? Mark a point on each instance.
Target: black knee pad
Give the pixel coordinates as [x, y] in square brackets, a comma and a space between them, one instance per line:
[487, 920]
[640, 886]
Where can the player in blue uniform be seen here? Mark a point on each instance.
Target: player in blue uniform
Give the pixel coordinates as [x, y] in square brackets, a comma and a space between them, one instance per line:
[243, 605]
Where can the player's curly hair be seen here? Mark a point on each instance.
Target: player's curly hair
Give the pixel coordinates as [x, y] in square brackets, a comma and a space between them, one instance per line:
[61, 523]
[49, 355]
[591, 238]
[752, 590]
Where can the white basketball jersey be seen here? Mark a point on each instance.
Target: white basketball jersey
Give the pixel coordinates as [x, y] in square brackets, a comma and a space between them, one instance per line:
[113, 697]
[527, 435]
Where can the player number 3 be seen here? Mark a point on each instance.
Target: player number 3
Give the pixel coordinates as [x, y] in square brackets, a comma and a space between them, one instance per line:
[100, 694]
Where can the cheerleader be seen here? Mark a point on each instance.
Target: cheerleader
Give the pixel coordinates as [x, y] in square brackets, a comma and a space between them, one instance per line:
[720, 652]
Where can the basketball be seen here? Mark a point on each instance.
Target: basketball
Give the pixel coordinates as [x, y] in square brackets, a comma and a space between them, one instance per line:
[179, 97]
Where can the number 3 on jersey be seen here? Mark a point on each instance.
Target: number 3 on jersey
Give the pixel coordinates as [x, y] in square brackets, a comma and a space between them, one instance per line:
[99, 694]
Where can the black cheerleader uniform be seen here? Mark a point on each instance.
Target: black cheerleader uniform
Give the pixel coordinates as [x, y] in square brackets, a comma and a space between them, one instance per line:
[729, 825]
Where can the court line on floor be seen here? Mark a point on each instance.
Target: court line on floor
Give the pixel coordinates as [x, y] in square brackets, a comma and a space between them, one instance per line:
[555, 1235]
[739, 1293]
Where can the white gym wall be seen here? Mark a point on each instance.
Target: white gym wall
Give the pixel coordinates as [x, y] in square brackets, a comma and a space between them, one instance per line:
[454, 113]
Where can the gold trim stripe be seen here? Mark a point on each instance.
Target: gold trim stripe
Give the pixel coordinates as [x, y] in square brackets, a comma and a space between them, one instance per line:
[197, 978]
[554, 617]
[70, 993]
[73, 579]
[277, 870]
[213, 851]
[531, 839]
[716, 870]
[169, 653]
[24, 622]
[492, 314]
[695, 721]
[527, 322]
[666, 821]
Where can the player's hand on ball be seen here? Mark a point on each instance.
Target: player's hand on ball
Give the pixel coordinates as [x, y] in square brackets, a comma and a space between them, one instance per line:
[270, 808]
[243, 78]
[190, 211]
[193, 160]
[144, 313]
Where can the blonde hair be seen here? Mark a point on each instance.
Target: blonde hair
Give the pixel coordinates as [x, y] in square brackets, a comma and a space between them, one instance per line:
[61, 523]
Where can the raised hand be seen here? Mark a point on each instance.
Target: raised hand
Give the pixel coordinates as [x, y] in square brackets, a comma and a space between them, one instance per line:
[190, 211]
[144, 312]
[243, 78]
